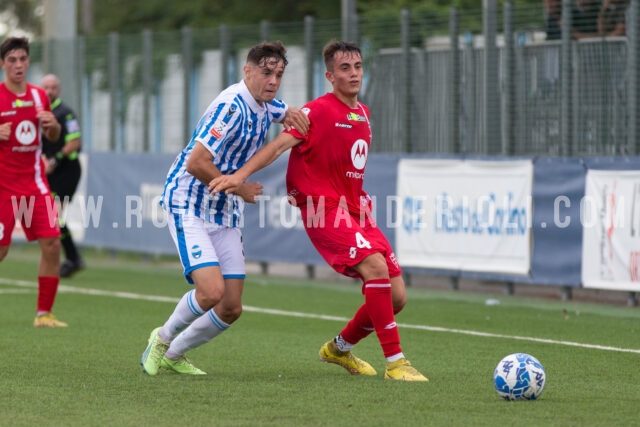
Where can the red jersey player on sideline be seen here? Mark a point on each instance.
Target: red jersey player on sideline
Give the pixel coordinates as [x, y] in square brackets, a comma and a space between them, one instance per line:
[324, 177]
[25, 115]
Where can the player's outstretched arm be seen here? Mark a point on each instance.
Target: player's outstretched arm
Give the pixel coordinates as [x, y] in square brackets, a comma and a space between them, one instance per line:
[296, 118]
[200, 164]
[264, 157]
[249, 191]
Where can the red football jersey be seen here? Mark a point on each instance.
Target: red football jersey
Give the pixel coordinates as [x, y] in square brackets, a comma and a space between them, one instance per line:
[331, 159]
[21, 168]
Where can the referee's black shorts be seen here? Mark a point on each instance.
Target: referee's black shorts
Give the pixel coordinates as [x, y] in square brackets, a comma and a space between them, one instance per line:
[63, 181]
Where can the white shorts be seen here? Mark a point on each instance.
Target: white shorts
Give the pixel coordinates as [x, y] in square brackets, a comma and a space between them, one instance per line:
[203, 244]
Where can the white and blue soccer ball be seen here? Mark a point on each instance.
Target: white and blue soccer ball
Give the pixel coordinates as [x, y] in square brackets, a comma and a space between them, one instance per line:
[519, 376]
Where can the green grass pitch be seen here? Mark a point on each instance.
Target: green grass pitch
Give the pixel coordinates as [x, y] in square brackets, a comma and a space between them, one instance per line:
[264, 371]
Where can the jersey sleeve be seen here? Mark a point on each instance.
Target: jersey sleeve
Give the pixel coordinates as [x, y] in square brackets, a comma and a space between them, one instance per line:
[218, 126]
[72, 126]
[294, 132]
[277, 108]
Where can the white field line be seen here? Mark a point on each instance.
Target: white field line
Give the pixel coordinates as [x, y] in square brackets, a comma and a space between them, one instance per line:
[129, 295]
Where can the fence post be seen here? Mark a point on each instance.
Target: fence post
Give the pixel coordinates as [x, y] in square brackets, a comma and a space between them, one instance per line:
[84, 96]
[405, 96]
[225, 48]
[518, 127]
[491, 93]
[469, 91]
[187, 68]
[265, 30]
[633, 74]
[508, 140]
[147, 87]
[349, 21]
[454, 82]
[566, 81]
[309, 55]
[114, 91]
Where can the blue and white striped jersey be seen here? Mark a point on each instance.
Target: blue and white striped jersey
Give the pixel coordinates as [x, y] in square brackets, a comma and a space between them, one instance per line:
[233, 128]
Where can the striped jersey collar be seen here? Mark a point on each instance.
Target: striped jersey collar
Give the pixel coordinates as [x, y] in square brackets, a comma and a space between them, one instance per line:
[249, 99]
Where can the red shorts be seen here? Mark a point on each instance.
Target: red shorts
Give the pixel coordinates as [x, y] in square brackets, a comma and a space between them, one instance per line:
[37, 215]
[344, 240]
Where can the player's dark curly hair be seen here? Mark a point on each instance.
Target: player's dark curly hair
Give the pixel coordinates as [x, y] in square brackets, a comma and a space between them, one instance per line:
[263, 51]
[13, 43]
[334, 46]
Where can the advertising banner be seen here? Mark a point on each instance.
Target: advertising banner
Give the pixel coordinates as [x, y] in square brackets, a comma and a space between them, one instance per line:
[465, 215]
[610, 216]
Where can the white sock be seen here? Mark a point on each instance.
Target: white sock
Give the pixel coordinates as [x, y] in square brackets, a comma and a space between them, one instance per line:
[183, 315]
[342, 344]
[395, 357]
[201, 331]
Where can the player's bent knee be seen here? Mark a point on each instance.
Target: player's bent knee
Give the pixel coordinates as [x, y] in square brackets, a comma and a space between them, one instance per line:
[209, 300]
[209, 297]
[399, 305]
[373, 266]
[231, 314]
[51, 246]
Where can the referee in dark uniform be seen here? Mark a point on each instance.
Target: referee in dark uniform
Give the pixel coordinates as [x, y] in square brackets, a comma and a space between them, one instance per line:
[63, 168]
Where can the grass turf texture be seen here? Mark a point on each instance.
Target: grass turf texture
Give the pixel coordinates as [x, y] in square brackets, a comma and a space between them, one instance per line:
[265, 369]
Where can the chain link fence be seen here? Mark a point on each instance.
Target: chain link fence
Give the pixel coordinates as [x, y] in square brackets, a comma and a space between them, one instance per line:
[431, 83]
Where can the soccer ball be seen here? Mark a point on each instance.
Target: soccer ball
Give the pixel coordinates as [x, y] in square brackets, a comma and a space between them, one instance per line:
[519, 376]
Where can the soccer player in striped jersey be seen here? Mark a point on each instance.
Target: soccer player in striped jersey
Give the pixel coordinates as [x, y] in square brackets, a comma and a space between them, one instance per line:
[204, 227]
[324, 177]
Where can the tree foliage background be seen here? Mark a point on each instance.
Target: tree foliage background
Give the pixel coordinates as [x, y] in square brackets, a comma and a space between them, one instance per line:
[127, 16]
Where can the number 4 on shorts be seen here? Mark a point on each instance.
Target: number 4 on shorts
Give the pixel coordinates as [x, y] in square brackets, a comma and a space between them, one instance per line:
[361, 242]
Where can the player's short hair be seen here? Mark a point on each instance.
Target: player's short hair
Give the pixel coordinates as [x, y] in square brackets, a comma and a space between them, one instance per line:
[261, 52]
[13, 43]
[334, 46]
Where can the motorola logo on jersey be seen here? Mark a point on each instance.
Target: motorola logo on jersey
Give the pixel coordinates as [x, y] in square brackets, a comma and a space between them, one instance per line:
[26, 132]
[359, 152]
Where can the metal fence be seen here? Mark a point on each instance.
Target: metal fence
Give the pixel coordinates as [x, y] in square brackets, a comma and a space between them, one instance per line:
[431, 82]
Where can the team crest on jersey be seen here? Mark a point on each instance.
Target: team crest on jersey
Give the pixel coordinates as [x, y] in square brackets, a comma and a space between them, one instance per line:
[18, 103]
[218, 129]
[353, 117]
[359, 153]
[26, 132]
[306, 110]
[196, 252]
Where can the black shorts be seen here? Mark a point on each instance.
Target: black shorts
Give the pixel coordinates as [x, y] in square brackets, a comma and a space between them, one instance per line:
[63, 181]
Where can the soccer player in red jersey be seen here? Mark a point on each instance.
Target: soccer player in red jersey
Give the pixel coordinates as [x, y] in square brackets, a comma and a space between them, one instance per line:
[25, 115]
[324, 178]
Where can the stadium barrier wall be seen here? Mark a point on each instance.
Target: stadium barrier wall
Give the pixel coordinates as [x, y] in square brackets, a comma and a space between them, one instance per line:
[119, 211]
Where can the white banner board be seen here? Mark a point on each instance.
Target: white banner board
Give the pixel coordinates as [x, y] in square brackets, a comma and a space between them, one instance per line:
[465, 215]
[610, 216]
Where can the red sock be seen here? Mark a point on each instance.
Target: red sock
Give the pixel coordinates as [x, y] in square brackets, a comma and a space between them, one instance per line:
[47, 289]
[360, 326]
[379, 307]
